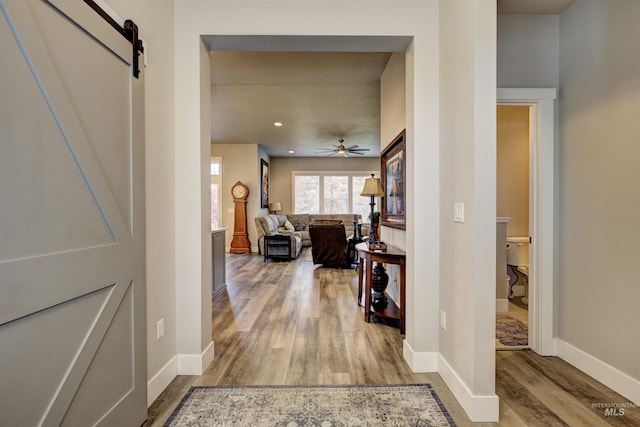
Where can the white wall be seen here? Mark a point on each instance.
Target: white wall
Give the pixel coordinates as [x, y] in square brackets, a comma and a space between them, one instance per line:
[157, 30]
[599, 174]
[468, 167]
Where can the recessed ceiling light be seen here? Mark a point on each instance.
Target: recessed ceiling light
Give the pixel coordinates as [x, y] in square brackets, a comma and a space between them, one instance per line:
[278, 124]
[291, 152]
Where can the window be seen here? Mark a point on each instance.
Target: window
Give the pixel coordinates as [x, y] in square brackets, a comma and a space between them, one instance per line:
[330, 193]
[216, 185]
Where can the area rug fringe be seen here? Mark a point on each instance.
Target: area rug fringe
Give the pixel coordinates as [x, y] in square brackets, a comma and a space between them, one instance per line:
[349, 405]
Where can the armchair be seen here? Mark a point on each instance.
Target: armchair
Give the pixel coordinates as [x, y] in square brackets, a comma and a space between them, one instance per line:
[329, 245]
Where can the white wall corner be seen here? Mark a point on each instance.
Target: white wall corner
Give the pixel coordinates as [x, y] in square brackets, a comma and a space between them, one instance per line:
[195, 364]
[502, 305]
[484, 408]
[619, 382]
[421, 361]
[161, 380]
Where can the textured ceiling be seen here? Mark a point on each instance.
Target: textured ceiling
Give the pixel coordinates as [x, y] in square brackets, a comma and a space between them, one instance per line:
[318, 96]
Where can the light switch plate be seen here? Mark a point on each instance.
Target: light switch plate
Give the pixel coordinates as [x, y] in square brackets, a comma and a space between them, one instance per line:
[458, 212]
[160, 329]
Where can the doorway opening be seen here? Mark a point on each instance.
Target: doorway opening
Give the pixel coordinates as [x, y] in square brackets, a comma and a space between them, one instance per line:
[513, 144]
[541, 289]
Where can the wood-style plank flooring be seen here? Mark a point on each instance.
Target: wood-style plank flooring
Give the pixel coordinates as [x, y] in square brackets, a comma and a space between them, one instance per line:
[293, 323]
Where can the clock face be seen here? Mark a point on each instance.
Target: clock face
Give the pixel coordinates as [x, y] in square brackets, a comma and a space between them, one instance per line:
[239, 191]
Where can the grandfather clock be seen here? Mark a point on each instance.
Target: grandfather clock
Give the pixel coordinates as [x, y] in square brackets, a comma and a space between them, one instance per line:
[240, 243]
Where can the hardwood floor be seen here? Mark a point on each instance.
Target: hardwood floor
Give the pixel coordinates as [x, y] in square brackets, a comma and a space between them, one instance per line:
[293, 323]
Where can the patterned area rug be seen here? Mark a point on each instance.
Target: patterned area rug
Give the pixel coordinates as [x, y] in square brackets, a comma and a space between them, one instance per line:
[369, 405]
[511, 331]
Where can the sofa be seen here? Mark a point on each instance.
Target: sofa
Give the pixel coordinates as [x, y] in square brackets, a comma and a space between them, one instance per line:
[300, 223]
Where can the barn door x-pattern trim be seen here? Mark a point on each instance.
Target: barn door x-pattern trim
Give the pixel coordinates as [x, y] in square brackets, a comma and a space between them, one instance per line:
[72, 318]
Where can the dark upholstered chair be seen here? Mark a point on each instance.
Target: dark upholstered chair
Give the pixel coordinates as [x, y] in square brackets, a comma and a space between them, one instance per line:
[329, 245]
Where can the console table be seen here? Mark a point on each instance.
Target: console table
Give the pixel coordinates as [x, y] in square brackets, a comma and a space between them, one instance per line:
[366, 258]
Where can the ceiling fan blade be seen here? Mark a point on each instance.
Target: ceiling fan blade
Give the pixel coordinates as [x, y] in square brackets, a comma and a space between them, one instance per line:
[352, 147]
[355, 152]
[358, 149]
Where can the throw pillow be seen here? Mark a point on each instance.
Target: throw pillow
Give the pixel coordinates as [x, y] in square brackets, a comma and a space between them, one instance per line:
[299, 226]
[289, 226]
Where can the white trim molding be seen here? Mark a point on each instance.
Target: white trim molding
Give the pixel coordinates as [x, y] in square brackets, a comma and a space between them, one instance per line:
[541, 103]
[502, 305]
[421, 361]
[161, 380]
[620, 382]
[479, 408]
[195, 364]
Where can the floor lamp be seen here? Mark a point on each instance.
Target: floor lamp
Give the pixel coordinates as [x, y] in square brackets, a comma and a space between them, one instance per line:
[372, 188]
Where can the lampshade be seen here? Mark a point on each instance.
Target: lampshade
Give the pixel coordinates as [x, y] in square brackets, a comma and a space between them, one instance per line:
[372, 187]
[275, 206]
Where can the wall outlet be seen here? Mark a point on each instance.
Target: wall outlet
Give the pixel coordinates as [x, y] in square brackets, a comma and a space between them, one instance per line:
[443, 320]
[160, 329]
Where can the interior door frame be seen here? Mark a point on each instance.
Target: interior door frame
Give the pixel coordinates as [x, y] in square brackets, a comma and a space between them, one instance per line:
[542, 197]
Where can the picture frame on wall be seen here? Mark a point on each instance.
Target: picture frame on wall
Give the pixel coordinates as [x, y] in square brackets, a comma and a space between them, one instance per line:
[264, 184]
[393, 170]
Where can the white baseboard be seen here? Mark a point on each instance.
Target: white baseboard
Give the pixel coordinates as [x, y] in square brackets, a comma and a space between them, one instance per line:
[608, 375]
[502, 305]
[479, 408]
[421, 361]
[161, 380]
[195, 364]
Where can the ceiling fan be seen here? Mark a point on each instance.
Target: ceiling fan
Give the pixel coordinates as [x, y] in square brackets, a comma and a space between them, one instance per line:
[341, 149]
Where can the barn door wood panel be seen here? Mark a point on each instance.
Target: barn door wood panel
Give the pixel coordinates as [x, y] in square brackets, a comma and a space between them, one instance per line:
[72, 269]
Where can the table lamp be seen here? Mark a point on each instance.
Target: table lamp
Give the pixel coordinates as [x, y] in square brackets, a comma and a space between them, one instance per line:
[372, 188]
[275, 207]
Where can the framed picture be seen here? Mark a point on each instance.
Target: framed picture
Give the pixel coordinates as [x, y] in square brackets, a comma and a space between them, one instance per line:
[393, 170]
[264, 184]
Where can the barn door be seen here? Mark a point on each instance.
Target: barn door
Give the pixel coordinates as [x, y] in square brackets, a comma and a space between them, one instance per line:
[72, 269]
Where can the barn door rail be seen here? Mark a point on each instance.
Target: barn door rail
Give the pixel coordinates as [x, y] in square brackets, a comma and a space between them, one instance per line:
[129, 32]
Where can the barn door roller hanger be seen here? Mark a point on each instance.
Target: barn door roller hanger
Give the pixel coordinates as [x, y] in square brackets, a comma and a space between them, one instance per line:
[129, 32]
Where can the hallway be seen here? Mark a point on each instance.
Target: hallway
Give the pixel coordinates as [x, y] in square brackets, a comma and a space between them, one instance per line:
[294, 323]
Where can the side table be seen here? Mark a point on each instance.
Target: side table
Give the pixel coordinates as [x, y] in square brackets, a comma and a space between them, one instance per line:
[366, 259]
[277, 240]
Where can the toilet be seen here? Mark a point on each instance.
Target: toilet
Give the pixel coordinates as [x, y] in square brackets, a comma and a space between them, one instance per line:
[518, 263]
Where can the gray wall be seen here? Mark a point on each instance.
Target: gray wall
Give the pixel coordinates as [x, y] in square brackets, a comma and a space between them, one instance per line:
[586, 53]
[528, 51]
[599, 170]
